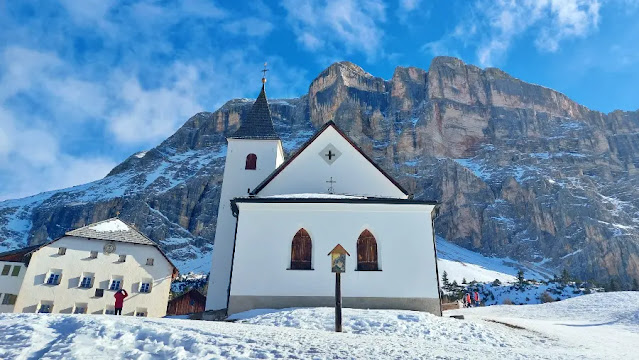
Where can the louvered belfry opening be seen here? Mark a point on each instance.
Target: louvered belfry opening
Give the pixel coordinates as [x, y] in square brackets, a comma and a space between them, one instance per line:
[301, 251]
[367, 252]
[251, 162]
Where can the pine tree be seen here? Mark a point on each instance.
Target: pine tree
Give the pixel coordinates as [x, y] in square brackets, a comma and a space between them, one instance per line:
[565, 276]
[520, 279]
[496, 282]
[445, 282]
[464, 281]
[613, 285]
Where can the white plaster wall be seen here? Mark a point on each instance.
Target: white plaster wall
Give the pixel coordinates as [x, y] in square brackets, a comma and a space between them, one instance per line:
[237, 180]
[405, 250]
[10, 284]
[353, 174]
[76, 261]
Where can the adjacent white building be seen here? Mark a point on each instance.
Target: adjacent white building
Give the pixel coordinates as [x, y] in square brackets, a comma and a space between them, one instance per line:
[12, 270]
[80, 272]
[279, 219]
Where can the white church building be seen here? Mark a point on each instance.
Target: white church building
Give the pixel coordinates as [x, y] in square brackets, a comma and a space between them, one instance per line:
[80, 272]
[278, 220]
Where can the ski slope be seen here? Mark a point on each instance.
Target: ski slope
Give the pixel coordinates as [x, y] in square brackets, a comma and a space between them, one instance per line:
[460, 263]
[589, 327]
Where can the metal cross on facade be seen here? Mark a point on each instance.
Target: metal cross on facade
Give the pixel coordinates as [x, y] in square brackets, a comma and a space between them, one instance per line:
[331, 190]
[330, 155]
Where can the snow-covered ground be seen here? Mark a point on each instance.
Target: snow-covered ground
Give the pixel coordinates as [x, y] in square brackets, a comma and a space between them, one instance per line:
[460, 263]
[593, 327]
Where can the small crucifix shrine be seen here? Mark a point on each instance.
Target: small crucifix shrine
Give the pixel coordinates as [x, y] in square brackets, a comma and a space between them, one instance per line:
[338, 266]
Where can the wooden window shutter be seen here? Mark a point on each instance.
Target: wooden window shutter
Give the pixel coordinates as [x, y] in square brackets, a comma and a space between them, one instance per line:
[367, 252]
[301, 251]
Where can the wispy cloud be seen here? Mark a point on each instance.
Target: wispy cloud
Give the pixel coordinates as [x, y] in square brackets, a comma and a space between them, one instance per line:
[338, 26]
[81, 78]
[491, 27]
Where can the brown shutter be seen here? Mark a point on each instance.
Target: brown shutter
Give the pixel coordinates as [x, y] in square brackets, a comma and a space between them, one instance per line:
[367, 252]
[301, 251]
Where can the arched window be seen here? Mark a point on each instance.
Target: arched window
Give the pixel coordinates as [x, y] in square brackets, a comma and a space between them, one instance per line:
[367, 252]
[301, 251]
[251, 162]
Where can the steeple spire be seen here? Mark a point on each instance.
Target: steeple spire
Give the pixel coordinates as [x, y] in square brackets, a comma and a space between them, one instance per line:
[258, 124]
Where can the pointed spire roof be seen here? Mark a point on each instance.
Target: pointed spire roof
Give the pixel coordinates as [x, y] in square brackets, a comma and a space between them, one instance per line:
[258, 125]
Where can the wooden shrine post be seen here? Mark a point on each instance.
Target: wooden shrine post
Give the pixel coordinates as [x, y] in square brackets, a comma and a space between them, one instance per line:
[338, 266]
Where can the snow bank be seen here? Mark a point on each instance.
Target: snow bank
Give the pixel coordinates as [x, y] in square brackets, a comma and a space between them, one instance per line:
[589, 327]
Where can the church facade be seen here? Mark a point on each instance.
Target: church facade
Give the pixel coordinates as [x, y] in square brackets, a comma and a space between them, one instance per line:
[278, 220]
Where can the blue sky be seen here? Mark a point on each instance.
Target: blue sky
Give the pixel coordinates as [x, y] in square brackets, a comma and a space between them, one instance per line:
[84, 84]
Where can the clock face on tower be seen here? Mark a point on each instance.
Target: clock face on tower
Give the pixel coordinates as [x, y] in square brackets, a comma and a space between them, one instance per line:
[109, 248]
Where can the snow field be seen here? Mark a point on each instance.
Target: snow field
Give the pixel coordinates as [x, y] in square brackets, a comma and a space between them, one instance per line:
[593, 326]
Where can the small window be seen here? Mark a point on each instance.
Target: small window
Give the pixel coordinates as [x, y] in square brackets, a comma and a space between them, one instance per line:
[367, 252]
[6, 269]
[116, 283]
[99, 292]
[94, 255]
[109, 310]
[192, 302]
[86, 281]
[62, 251]
[141, 312]
[16, 270]
[145, 287]
[251, 162]
[9, 299]
[122, 258]
[80, 308]
[301, 251]
[149, 261]
[46, 307]
[53, 277]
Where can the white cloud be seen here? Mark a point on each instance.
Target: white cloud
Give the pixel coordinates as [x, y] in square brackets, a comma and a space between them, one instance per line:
[497, 24]
[338, 25]
[250, 26]
[409, 5]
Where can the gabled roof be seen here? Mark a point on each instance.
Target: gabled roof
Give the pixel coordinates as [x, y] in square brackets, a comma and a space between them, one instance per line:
[258, 125]
[18, 255]
[112, 229]
[332, 124]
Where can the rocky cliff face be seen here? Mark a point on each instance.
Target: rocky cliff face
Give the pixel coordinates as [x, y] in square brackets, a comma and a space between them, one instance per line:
[521, 170]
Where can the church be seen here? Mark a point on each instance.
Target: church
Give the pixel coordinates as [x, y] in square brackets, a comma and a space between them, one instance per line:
[278, 220]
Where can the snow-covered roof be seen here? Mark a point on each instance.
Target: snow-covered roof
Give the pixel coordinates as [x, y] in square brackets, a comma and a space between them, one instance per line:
[112, 229]
[313, 196]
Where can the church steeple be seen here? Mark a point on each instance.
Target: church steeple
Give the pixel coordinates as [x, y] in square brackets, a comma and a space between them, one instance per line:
[258, 125]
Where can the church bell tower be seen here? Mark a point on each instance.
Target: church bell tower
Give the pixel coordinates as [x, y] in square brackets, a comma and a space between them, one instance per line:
[253, 152]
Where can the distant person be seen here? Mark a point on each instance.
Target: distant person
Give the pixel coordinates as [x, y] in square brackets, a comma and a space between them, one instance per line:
[119, 296]
[468, 300]
[477, 302]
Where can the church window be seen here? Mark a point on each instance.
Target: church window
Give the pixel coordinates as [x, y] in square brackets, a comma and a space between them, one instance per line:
[367, 252]
[251, 162]
[301, 251]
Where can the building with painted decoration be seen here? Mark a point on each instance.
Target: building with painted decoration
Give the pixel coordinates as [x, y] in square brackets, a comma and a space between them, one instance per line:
[278, 220]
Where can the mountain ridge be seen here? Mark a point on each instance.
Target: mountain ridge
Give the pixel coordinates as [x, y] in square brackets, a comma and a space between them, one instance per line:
[522, 171]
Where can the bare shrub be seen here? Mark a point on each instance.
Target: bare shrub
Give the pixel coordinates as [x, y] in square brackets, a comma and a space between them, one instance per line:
[546, 297]
[507, 301]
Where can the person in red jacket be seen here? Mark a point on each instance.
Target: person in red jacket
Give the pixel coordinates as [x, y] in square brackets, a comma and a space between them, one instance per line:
[469, 303]
[477, 302]
[119, 296]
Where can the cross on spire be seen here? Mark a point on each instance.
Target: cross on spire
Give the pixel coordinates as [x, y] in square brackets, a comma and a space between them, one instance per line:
[264, 72]
[331, 190]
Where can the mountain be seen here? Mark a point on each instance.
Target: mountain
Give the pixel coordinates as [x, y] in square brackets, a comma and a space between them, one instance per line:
[522, 171]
